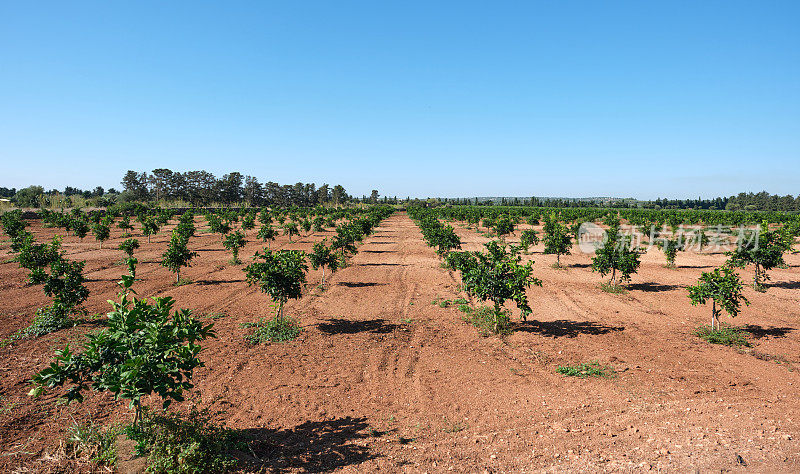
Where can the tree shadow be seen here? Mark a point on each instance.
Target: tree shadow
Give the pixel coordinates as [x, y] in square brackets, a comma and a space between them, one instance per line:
[358, 284]
[314, 446]
[695, 266]
[381, 265]
[581, 265]
[759, 332]
[211, 250]
[378, 251]
[380, 242]
[788, 285]
[217, 282]
[346, 326]
[565, 328]
[651, 287]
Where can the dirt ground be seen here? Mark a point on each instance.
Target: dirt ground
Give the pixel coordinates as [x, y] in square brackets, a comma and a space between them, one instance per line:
[381, 379]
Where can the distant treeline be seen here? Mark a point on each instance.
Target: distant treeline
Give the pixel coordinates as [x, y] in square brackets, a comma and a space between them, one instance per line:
[202, 188]
[762, 201]
[196, 188]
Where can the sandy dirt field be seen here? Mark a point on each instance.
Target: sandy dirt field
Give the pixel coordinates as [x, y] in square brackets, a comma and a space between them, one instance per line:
[383, 380]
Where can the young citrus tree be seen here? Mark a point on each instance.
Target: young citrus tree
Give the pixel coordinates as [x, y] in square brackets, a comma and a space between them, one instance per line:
[146, 348]
[217, 225]
[177, 255]
[150, 227]
[101, 232]
[281, 275]
[129, 246]
[233, 242]
[344, 241]
[503, 226]
[13, 224]
[616, 255]
[556, 239]
[248, 222]
[125, 225]
[323, 256]
[80, 228]
[527, 238]
[724, 288]
[497, 276]
[267, 234]
[63, 281]
[671, 247]
[186, 222]
[34, 256]
[763, 248]
[290, 229]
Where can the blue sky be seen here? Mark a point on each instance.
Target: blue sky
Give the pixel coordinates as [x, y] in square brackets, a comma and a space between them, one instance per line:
[642, 99]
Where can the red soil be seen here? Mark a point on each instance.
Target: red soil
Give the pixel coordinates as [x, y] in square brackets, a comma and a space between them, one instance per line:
[381, 379]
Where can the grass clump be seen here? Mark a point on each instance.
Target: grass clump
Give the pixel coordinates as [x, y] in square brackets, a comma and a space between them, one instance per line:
[726, 335]
[273, 330]
[183, 281]
[94, 443]
[483, 318]
[613, 288]
[184, 443]
[586, 369]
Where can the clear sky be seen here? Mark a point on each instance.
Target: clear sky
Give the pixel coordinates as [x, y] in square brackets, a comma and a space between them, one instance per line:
[431, 98]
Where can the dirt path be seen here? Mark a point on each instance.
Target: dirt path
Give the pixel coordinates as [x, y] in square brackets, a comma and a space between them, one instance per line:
[381, 379]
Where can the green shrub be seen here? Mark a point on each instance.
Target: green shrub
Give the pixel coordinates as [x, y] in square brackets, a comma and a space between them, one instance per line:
[48, 319]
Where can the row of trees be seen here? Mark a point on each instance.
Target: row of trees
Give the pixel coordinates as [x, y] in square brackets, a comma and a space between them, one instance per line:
[203, 188]
[762, 201]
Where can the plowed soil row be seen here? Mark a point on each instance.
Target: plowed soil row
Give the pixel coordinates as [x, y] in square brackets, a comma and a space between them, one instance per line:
[381, 379]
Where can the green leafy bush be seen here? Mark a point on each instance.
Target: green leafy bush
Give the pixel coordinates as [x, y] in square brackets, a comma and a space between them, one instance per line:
[724, 288]
[233, 242]
[281, 275]
[145, 349]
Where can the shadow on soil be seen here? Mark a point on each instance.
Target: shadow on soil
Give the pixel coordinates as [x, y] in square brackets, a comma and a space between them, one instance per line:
[759, 332]
[651, 287]
[565, 328]
[787, 285]
[216, 282]
[378, 251]
[359, 284]
[381, 242]
[314, 446]
[347, 326]
[381, 265]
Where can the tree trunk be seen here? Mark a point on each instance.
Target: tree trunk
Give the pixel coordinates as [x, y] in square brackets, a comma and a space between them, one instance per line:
[323, 277]
[178, 276]
[713, 313]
